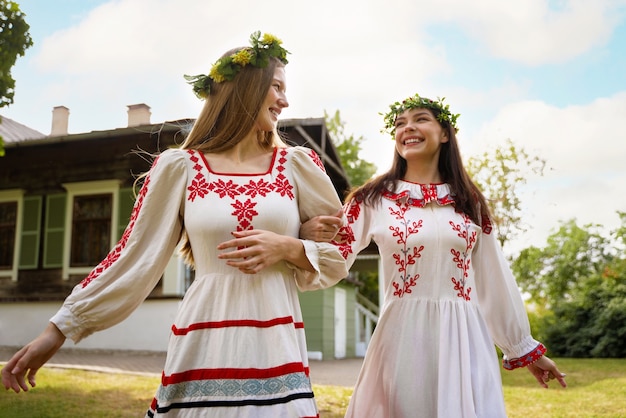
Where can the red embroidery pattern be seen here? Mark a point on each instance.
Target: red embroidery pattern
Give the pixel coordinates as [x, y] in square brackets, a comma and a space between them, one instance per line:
[199, 186]
[243, 208]
[223, 188]
[345, 236]
[429, 192]
[282, 186]
[244, 211]
[462, 259]
[407, 255]
[115, 253]
[317, 160]
[253, 188]
[486, 225]
[524, 361]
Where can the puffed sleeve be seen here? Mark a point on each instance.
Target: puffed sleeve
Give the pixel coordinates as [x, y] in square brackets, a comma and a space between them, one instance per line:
[118, 285]
[316, 196]
[502, 306]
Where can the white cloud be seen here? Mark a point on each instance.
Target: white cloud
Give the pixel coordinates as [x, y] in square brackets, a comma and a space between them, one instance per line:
[534, 32]
[584, 151]
[352, 55]
[132, 51]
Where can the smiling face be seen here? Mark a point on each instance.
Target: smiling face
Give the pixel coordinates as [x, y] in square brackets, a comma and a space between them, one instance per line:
[419, 135]
[274, 103]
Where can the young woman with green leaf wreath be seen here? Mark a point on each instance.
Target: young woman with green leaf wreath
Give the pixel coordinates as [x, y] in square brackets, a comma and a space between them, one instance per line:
[449, 294]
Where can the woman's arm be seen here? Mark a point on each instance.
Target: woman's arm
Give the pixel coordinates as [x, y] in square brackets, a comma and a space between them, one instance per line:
[26, 362]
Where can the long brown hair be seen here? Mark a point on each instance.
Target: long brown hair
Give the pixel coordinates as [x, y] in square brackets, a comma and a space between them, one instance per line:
[228, 115]
[468, 198]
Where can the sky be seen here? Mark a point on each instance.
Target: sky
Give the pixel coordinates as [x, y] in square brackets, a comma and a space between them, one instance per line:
[549, 75]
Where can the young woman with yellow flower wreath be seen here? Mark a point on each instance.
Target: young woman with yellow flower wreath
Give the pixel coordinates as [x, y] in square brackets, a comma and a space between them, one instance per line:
[232, 198]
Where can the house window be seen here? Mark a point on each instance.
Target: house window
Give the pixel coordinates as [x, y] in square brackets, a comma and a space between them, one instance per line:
[91, 229]
[8, 220]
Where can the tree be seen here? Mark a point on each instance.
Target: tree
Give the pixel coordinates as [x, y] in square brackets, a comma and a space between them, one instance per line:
[593, 323]
[348, 147]
[499, 173]
[14, 40]
[580, 278]
[553, 274]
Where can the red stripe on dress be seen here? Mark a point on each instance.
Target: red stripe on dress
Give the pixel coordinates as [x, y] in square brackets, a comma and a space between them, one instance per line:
[237, 323]
[233, 373]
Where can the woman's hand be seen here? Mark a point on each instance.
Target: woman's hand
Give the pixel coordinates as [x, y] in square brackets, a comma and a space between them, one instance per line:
[322, 228]
[26, 362]
[545, 370]
[257, 249]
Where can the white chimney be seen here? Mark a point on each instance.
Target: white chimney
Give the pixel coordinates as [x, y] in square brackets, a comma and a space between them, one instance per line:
[138, 114]
[60, 118]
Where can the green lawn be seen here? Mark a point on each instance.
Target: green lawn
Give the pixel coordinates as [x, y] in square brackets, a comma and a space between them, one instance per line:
[597, 388]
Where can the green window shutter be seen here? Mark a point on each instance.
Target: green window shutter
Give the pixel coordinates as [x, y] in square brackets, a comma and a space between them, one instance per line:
[55, 231]
[126, 203]
[31, 230]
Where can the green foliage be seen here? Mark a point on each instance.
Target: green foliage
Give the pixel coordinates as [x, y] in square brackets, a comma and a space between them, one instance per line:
[349, 147]
[14, 40]
[552, 273]
[226, 68]
[441, 110]
[498, 173]
[594, 323]
[580, 278]
[370, 286]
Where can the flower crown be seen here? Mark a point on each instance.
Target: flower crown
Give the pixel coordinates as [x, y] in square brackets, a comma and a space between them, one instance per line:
[444, 115]
[226, 68]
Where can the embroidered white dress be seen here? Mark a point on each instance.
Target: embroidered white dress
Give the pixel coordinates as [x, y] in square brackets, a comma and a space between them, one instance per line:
[237, 347]
[448, 296]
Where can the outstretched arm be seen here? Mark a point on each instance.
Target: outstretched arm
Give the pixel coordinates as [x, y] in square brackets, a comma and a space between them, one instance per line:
[26, 362]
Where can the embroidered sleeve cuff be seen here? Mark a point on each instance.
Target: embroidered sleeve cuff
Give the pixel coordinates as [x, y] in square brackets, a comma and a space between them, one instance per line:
[525, 360]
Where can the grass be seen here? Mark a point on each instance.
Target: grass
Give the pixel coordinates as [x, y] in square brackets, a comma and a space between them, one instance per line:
[69, 393]
[597, 389]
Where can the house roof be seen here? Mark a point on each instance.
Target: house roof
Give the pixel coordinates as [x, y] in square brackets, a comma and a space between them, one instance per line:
[14, 132]
[173, 126]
